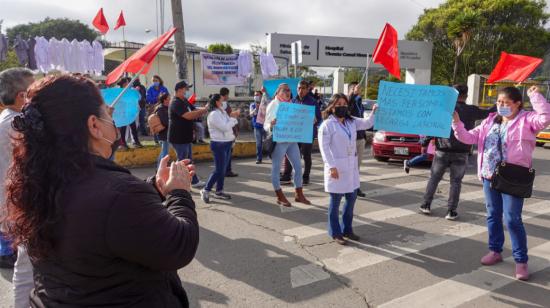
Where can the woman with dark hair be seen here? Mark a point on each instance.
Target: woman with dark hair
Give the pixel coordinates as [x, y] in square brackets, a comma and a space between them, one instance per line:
[506, 136]
[95, 234]
[155, 90]
[162, 112]
[337, 142]
[220, 127]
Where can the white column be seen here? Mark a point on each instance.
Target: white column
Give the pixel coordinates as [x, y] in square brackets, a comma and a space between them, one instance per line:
[338, 83]
[474, 84]
[418, 76]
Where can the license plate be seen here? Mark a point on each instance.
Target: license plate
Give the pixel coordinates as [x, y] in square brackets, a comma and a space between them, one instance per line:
[401, 151]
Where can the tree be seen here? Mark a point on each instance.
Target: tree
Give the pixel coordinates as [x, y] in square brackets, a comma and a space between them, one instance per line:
[353, 75]
[58, 28]
[11, 61]
[468, 35]
[220, 48]
[180, 52]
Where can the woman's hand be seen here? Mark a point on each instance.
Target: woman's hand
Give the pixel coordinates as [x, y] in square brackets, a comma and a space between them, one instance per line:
[532, 90]
[334, 173]
[235, 114]
[273, 122]
[456, 118]
[374, 108]
[177, 176]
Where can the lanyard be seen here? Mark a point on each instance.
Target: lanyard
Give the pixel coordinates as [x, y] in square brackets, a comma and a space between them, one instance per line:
[346, 129]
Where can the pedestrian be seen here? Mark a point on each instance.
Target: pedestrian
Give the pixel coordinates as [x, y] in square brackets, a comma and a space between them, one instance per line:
[337, 141]
[161, 110]
[282, 96]
[95, 234]
[507, 136]
[220, 127]
[198, 127]
[259, 133]
[356, 108]
[426, 151]
[13, 95]
[142, 106]
[453, 154]
[152, 96]
[123, 83]
[180, 126]
[304, 97]
[224, 93]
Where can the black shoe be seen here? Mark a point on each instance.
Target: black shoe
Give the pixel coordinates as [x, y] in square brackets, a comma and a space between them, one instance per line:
[231, 174]
[360, 193]
[451, 215]
[352, 236]
[340, 240]
[221, 195]
[425, 209]
[258, 162]
[8, 261]
[305, 182]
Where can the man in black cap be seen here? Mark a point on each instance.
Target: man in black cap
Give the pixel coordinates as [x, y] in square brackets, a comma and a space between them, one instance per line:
[180, 125]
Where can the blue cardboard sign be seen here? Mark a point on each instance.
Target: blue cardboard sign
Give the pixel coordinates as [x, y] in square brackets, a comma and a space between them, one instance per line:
[127, 109]
[294, 123]
[271, 85]
[415, 109]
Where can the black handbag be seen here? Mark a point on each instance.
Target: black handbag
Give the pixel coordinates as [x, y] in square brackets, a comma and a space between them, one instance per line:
[512, 179]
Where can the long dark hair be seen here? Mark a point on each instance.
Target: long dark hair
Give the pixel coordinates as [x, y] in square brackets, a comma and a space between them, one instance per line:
[212, 102]
[50, 151]
[161, 82]
[332, 104]
[512, 93]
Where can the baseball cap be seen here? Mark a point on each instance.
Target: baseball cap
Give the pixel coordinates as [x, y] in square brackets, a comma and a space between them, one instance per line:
[182, 84]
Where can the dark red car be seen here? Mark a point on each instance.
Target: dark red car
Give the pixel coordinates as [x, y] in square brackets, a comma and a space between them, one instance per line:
[388, 145]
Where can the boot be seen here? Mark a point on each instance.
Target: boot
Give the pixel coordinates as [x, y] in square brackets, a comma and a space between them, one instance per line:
[299, 196]
[281, 199]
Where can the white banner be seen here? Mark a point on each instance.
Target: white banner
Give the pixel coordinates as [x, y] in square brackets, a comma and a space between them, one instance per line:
[220, 70]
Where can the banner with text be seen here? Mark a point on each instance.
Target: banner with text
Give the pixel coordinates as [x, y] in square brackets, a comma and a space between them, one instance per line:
[415, 109]
[220, 70]
[294, 123]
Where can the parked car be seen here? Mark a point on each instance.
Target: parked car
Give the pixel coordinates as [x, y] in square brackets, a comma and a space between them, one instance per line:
[388, 145]
[543, 137]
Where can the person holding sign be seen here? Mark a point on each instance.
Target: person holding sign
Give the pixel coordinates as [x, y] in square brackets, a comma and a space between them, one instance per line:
[338, 144]
[291, 149]
[506, 139]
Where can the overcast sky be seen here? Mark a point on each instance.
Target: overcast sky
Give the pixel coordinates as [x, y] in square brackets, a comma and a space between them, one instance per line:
[238, 22]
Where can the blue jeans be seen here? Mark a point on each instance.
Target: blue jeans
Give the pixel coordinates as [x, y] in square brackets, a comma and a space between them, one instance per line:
[164, 149]
[498, 204]
[334, 227]
[259, 134]
[417, 160]
[221, 151]
[185, 151]
[5, 245]
[292, 150]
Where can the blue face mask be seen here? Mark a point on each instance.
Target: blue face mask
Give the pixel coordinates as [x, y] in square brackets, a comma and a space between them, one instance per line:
[156, 84]
[504, 111]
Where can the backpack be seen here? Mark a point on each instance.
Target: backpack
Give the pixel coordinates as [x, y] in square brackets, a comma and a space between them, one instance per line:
[155, 125]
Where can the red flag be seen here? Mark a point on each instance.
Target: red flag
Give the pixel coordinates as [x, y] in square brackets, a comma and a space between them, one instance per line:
[100, 22]
[120, 21]
[142, 59]
[386, 52]
[513, 67]
[192, 99]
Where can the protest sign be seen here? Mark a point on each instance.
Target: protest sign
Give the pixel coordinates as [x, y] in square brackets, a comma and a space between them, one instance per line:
[127, 109]
[294, 123]
[415, 109]
[220, 69]
[271, 85]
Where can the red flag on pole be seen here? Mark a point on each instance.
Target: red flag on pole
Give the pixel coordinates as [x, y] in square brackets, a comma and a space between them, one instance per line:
[140, 62]
[100, 22]
[386, 52]
[120, 21]
[513, 67]
[192, 99]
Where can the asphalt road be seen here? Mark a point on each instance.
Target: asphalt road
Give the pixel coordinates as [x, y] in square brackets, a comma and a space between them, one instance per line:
[254, 253]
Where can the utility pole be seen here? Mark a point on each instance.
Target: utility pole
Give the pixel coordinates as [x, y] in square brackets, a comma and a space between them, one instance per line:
[180, 54]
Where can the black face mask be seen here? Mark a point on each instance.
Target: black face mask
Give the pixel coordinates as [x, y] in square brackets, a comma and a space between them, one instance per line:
[341, 111]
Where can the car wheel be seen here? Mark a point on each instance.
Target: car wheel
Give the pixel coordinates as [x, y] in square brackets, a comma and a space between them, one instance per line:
[540, 144]
[381, 158]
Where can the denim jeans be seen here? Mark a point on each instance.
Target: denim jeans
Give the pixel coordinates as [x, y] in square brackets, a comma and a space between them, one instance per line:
[142, 122]
[334, 226]
[230, 158]
[498, 204]
[185, 151]
[281, 149]
[305, 151]
[164, 150]
[259, 134]
[457, 163]
[417, 160]
[221, 152]
[5, 245]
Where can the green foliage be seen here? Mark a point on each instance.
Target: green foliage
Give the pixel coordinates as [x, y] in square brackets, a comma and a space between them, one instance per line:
[483, 28]
[374, 82]
[220, 48]
[11, 61]
[353, 75]
[58, 28]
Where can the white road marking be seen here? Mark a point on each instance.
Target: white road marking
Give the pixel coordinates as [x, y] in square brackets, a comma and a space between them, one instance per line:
[306, 274]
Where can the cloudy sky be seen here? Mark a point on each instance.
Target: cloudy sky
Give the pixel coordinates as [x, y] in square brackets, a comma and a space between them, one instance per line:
[238, 22]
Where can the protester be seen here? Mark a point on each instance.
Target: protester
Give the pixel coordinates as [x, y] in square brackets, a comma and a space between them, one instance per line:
[220, 127]
[265, 100]
[161, 110]
[224, 93]
[155, 90]
[142, 106]
[282, 96]
[507, 136]
[356, 108]
[453, 154]
[337, 142]
[180, 127]
[304, 98]
[95, 234]
[259, 132]
[123, 83]
[13, 87]
[426, 152]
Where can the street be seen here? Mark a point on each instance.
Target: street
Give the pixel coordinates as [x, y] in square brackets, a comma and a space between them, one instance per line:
[253, 253]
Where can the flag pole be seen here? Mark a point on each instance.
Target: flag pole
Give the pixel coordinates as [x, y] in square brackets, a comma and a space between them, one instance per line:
[366, 75]
[124, 41]
[117, 99]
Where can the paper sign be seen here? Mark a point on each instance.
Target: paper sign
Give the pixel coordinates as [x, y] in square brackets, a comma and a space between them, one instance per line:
[271, 85]
[220, 69]
[294, 123]
[415, 109]
[127, 109]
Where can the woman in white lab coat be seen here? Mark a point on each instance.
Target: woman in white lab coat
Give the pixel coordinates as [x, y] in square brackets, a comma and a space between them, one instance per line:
[337, 141]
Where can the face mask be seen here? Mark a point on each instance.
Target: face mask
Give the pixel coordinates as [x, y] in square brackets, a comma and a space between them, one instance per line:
[504, 111]
[224, 105]
[113, 143]
[257, 99]
[156, 84]
[341, 111]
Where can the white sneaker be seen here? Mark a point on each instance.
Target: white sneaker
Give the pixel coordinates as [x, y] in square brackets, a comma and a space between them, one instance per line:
[205, 196]
[200, 184]
[406, 166]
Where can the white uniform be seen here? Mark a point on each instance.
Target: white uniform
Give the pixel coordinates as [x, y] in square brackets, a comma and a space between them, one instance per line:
[337, 143]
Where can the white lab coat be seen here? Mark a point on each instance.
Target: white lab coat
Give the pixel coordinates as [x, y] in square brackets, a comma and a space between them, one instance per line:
[339, 151]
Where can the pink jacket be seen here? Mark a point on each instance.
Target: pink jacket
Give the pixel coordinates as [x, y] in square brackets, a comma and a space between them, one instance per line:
[520, 137]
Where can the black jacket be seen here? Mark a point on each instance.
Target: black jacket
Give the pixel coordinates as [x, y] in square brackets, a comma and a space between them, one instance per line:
[162, 112]
[117, 244]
